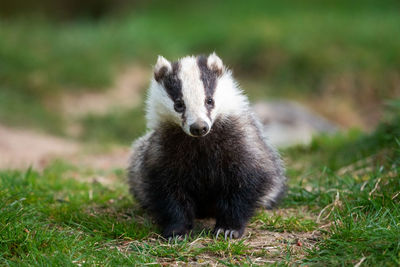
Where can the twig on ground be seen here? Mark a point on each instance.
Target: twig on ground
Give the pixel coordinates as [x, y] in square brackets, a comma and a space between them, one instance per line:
[360, 262]
[335, 203]
[363, 186]
[374, 189]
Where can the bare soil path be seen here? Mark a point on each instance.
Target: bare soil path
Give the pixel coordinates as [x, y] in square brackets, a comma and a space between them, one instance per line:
[286, 123]
[20, 148]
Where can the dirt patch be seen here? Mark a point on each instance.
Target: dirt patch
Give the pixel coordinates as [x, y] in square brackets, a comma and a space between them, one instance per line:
[344, 112]
[23, 148]
[125, 93]
[272, 247]
[257, 246]
[116, 158]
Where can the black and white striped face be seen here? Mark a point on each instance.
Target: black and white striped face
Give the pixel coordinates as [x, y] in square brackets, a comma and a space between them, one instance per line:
[185, 92]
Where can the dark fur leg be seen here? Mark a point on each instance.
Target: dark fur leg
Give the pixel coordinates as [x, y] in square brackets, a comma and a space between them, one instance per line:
[174, 216]
[232, 216]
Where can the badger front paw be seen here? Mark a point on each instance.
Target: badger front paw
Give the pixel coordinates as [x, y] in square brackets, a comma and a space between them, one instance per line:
[178, 231]
[227, 232]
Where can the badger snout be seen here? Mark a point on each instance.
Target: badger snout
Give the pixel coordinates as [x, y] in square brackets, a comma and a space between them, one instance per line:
[199, 128]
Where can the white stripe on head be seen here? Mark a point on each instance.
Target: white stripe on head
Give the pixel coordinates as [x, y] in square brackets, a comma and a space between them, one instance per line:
[193, 93]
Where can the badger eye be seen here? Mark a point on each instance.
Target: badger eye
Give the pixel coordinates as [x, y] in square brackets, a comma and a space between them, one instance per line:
[179, 106]
[210, 101]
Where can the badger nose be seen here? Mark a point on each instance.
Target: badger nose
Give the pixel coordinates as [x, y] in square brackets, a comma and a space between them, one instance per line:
[199, 128]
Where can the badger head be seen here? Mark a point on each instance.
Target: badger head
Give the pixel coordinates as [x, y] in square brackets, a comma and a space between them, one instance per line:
[192, 93]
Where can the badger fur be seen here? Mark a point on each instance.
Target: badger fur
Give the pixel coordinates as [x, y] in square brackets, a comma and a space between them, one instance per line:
[205, 155]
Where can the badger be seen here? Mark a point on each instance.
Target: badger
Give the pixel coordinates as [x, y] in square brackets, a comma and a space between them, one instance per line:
[205, 154]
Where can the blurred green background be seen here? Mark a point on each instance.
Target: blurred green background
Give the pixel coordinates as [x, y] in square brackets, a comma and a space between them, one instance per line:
[73, 76]
[341, 58]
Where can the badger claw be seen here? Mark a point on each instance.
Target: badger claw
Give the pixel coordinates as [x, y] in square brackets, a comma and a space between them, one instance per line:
[176, 238]
[227, 233]
[220, 230]
[234, 234]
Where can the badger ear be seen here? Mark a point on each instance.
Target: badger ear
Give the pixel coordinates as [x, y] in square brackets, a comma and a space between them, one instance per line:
[162, 68]
[215, 63]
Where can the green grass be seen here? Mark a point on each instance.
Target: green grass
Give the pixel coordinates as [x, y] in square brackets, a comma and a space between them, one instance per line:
[52, 219]
[274, 47]
[48, 219]
[345, 187]
[285, 223]
[120, 126]
[354, 184]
